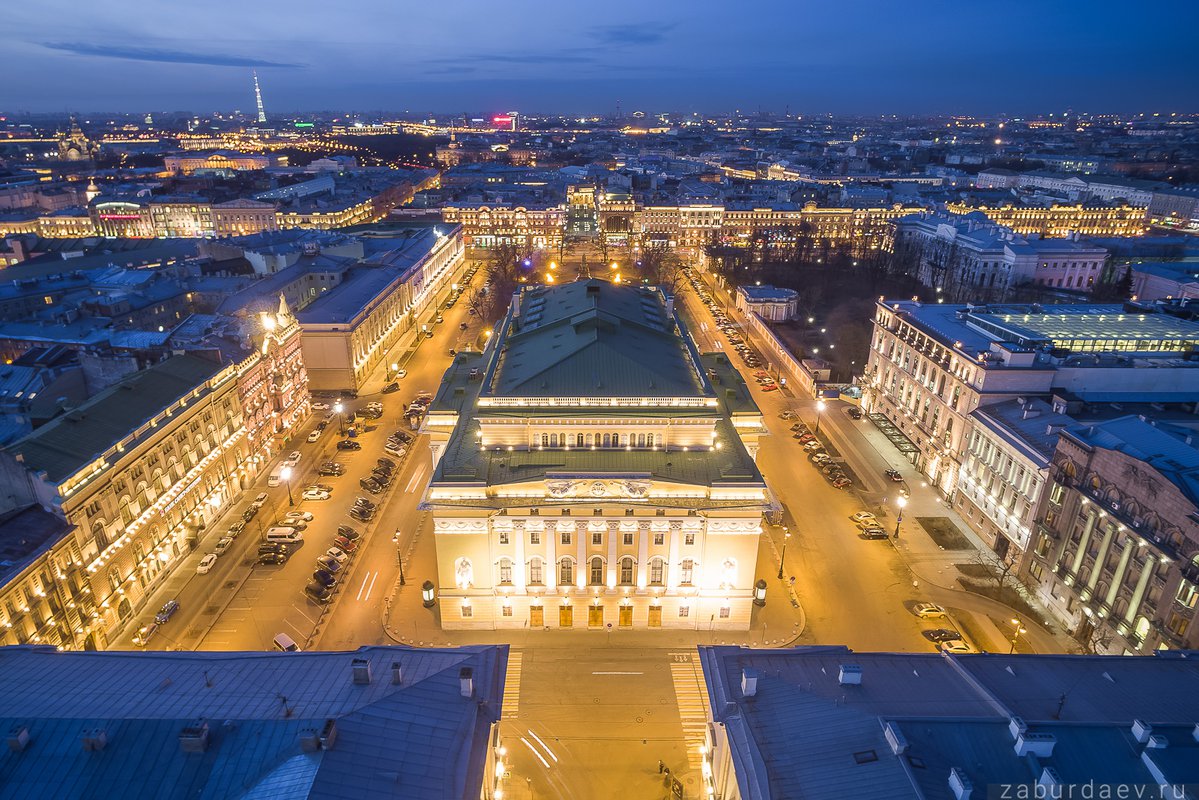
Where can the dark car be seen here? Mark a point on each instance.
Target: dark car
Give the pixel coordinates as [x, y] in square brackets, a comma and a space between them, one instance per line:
[362, 502]
[320, 426]
[873, 532]
[347, 444]
[386, 462]
[249, 513]
[391, 387]
[939, 635]
[317, 592]
[272, 547]
[272, 559]
[894, 475]
[382, 478]
[361, 516]
[166, 612]
[348, 532]
[324, 577]
[330, 468]
[370, 485]
[854, 412]
[345, 544]
[329, 564]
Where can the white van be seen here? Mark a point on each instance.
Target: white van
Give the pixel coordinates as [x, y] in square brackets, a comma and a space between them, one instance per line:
[285, 643]
[284, 534]
[276, 476]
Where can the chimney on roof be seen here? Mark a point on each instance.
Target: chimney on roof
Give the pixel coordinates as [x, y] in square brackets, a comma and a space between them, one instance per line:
[1157, 742]
[1049, 779]
[466, 682]
[18, 738]
[1038, 744]
[93, 739]
[850, 675]
[960, 784]
[329, 734]
[309, 741]
[1016, 726]
[361, 670]
[1141, 731]
[895, 738]
[194, 738]
[397, 673]
[749, 682]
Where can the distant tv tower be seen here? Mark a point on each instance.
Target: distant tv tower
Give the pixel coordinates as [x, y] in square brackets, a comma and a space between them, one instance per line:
[258, 97]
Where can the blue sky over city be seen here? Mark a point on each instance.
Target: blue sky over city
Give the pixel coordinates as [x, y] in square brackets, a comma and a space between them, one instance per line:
[457, 55]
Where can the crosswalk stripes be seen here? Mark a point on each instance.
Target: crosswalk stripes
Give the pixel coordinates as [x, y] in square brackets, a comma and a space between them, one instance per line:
[692, 703]
[512, 685]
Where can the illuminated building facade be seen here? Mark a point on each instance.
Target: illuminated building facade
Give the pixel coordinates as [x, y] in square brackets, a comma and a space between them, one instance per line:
[242, 217]
[222, 162]
[593, 469]
[488, 225]
[135, 473]
[1063, 220]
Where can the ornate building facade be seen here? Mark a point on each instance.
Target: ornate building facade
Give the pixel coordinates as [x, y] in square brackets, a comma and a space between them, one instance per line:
[593, 470]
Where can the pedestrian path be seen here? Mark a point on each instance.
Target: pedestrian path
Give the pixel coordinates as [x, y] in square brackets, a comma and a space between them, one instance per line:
[512, 685]
[690, 698]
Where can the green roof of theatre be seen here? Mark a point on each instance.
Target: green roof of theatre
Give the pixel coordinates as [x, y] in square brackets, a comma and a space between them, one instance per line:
[70, 442]
[594, 338]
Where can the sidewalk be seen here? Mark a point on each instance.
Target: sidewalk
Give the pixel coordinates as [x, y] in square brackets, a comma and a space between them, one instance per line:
[406, 621]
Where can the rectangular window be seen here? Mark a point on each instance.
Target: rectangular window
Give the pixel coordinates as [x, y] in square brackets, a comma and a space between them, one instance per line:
[468, 611]
[535, 571]
[655, 572]
[503, 537]
[565, 537]
[534, 537]
[724, 612]
[659, 539]
[688, 568]
[689, 538]
[628, 539]
[505, 571]
[597, 538]
[684, 611]
[507, 612]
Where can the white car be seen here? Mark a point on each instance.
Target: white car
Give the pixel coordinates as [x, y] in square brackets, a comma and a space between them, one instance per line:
[320, 406]
[306, 516]
[222, 546]
[293, 459]
[926, 610]
[864, 518]
[206, 564]
[958, 647]
[338, 555]
[401, 374]
[314, 436]
[315, 494]
[261, 499]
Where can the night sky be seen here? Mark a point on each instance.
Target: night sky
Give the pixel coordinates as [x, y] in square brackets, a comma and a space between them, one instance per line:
[877, 56]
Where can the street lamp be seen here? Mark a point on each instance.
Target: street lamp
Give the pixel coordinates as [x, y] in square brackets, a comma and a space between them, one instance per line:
[1017, 629]
[286, 475]
[428, 594]
[338, 407]
[819, 411]
[395, 368]
[900, 502]
[786, 536]
[760, 592]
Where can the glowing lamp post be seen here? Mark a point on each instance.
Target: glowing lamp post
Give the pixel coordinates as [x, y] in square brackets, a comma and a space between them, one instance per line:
[338, 408]
[786, 536]
[900, 502]
[819, 411]
[760, 592]
[428, 594]
[286, 475]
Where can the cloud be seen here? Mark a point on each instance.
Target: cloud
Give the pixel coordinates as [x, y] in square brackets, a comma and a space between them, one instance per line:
[517, 58]
[618, 35]
[162, 56]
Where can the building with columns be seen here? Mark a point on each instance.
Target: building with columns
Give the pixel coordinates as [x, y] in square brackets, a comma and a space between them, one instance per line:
[1116, 558]
[593, 469]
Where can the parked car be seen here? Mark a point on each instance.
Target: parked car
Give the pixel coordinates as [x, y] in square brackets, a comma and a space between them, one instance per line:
[145, 634]
[391, 387]
[324, 577]
[306, 516]
[402, 373]
[330, 468]
[267, 548]
[813, 445]
[361, 516]
[348, 532]
[320, 406]
[854, 412]
[314, 437]
[958, 647]
[206, 564]
[362, 501]
[894, 475]
[166, 612]
[374, 487]
[842, 483]
[315, 494]
[323, 487]
[394, 450]
[249, 513]
[317, 593]
[260, 499]
[939, 635]
[293, 458]
[926, 610]
[236, 528]
[348, 444]
[292, 522]
[285, 643]
[222, 545]
[271, 559]
[863, 517]
[873, 532]
[345, 544]
[338, 555]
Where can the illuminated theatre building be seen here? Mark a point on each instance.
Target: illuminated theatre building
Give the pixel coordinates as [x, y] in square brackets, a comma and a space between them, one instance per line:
[593, 469]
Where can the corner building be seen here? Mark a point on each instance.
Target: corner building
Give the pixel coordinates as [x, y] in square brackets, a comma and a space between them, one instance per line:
[594, 469]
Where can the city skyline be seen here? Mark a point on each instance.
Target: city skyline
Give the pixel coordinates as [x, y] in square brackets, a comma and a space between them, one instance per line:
[772, 56]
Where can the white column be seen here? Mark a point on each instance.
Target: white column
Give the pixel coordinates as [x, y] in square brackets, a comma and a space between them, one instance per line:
[520, 569]
[643, 538]
[551, 548]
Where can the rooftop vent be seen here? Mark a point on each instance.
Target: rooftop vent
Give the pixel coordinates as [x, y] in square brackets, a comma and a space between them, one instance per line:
[1049, 779]
[397, 673]
[1016, 726]
[850, 675]
[895, 738]
[93, 739]
[194, 738]
[960, 784]
[18, 738]
[310, 742]
[1157, 742]
[329, 734]
[361, 669]
[749, 682]
[466, 682]
[1038, 744]
[1141, 731]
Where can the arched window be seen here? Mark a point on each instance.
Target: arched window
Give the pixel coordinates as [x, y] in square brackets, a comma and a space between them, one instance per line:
[626, 570]
[641, 440]
[657, 572]
[607, 440]
[597, 571]
[616, 439]
[535, 570]
[591, 440]
[100, 534]
[505, 570]
[114, 580]
[126, 508]
[566, 572]
[579, 440]
[545, 440]
[553, 440]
